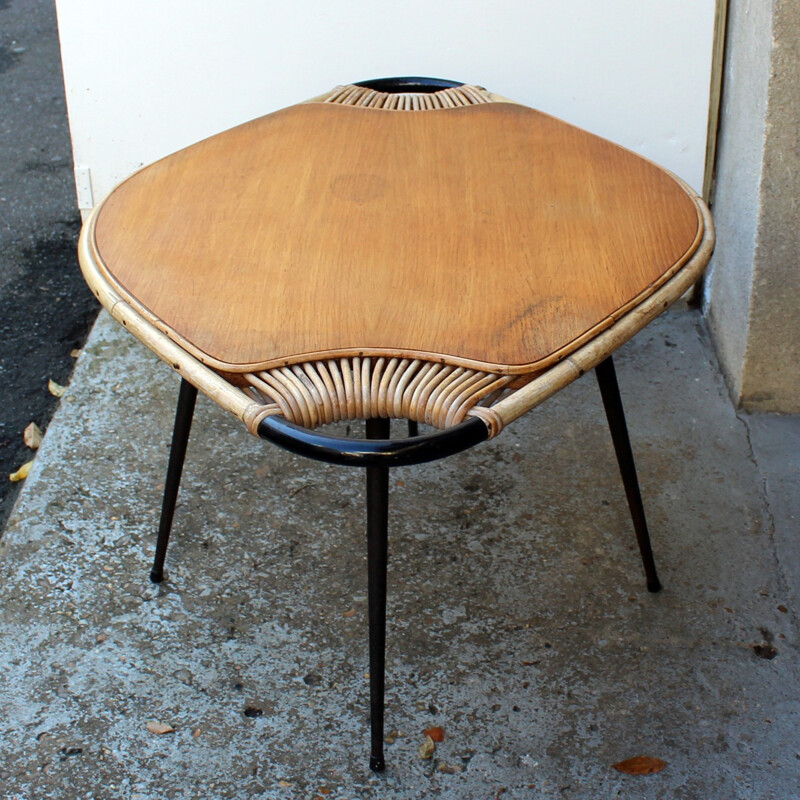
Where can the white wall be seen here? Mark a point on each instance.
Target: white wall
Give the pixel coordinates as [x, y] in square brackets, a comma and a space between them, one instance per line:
[145, 78]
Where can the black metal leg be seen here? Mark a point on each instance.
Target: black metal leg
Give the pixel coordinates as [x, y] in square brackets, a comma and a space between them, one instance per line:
[413, 428]
[609, 390]
[377, 562]
[180, 437]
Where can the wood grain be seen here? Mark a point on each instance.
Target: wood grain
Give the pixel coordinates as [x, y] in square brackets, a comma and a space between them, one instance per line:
[226, 390]
[491, 236]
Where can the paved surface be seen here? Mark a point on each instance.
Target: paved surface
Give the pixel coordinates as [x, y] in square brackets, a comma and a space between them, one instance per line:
[519, 619]
[45, 308]
[520, 623]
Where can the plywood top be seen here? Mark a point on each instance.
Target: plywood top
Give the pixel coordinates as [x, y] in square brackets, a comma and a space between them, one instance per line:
[490, 235]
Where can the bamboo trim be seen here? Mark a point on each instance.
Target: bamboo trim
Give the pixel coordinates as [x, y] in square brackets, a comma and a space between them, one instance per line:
[437, 392]
[506, 369]
[315, 393]
[453, 97]
[603, 345]
[229, 397]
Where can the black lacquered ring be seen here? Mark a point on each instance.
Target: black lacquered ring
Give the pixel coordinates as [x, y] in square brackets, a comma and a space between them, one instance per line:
[406, 85]
[373, 452]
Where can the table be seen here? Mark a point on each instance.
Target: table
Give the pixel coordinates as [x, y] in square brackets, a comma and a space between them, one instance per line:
[406, 248]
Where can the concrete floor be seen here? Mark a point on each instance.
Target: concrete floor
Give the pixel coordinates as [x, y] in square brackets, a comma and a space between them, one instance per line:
[519, 619]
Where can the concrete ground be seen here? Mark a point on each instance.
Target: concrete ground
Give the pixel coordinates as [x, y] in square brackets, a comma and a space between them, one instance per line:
[519, 619]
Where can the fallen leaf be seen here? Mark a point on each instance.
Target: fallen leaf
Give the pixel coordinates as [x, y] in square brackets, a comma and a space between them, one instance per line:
[160, 728]
[21, 473]
[325, 790]
[55, 389]
[640, 765]
[437, 734]
[427, 748]
[196, 733]
[350, 613]
[284, 783]
[783, 609]
[765, 650]
[391, 738]
[75, 353]
[32, 436]
[450, 769]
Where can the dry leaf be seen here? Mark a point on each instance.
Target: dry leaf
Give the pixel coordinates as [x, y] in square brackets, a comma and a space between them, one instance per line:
[55, 389]
[32, 436]
[75, 353]
[640, 765]
[765, 650]
[284, 783]
[196, 733]
[437, 734]
[159, 727]
[21, 473]
[427, 748]
[350, 613]
[391, 738]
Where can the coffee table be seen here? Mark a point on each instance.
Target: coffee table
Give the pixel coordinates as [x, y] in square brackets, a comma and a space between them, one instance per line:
[407, 248]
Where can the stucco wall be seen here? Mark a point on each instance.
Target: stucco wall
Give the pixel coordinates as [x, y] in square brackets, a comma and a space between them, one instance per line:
[753, 298]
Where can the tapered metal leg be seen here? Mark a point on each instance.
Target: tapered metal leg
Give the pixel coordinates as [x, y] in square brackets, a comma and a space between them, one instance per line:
[377, 562]
[609, 389]
[180, 437]
[413, 428]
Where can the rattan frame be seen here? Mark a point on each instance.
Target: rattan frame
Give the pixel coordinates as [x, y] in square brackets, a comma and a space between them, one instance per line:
[467, 404]
[309, 394]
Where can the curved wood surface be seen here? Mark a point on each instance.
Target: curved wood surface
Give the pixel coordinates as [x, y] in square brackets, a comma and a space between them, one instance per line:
[490, 236]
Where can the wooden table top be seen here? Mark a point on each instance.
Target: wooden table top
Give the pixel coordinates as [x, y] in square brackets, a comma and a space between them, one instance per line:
[492, 236]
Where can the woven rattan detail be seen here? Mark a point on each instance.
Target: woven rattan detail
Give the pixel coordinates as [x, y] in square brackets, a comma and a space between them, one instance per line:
[453, 97]
[320, 392]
